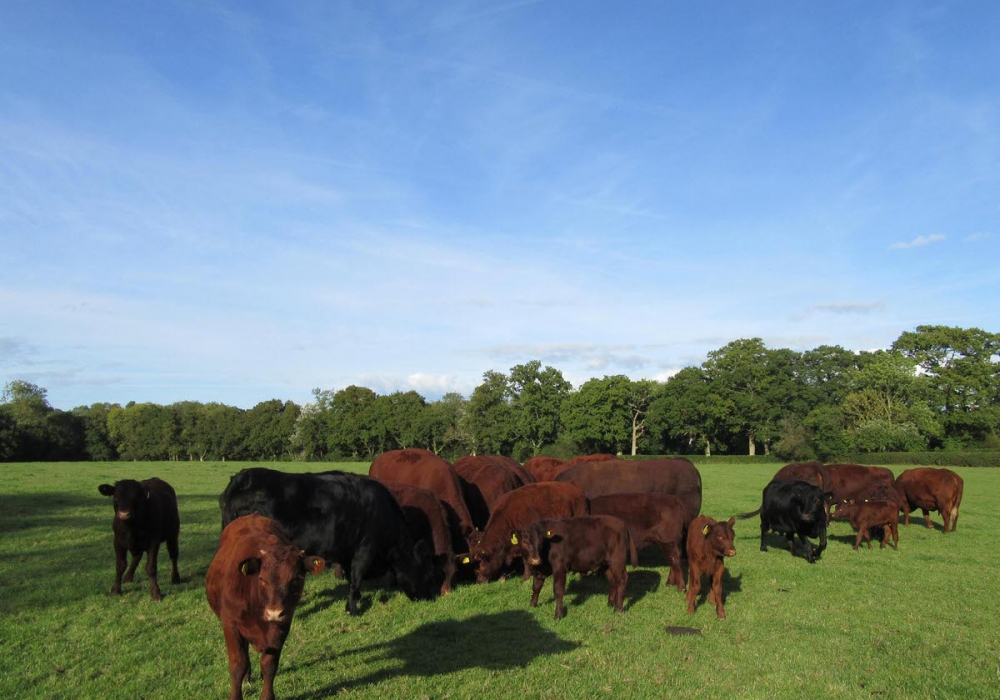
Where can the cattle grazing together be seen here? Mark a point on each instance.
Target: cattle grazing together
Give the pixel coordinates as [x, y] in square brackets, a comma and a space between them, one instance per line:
[583, 544]
[145, 515]
[253, 585]
[416, 518]
[348, 519]
[709, 542]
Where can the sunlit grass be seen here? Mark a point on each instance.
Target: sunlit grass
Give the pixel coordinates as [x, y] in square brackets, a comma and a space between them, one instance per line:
[914, 623]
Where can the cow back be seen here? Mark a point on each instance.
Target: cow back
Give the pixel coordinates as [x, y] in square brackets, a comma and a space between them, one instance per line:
[484, 481]
[545, 468]
[677, 476]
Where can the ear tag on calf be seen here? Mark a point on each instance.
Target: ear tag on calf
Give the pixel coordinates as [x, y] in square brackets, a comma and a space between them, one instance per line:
[245, 568]
[706, 529]
[317, 566]
[466, 560]
[513, 538]
[548, 533]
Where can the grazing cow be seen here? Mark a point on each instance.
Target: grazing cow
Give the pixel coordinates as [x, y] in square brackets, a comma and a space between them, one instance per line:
[709, 542]
[424, 469]
[145, 515]
[545, 468]
[348, 519]
[428, 521]
[809, 472]
[675, 476]
[864, 516]
[585, 544]
[930, 489]
[484, 480]
[793, 508]
[514, 511]
[253, 585]
[852, 481]
[652, 519]
[875, 492]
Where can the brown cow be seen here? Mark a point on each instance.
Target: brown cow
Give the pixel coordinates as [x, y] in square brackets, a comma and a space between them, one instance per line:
[809, 472]
[878, 492]
[930, 489]
[428, 521]
[424, 469]
[652, 519]
[847, 481]
[516, 510]
[708, 543]
[484, 480]
[676, 476]
[145, 515]
[585, 544]
[865, 515]
[254, 582]
[546, 468]
[597, 457]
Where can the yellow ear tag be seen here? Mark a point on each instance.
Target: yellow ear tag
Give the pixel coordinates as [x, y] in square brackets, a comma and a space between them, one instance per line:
[513, 538]
[245, 569]
[318, 565]
[706, 529]
[548, 533]
[466, 560]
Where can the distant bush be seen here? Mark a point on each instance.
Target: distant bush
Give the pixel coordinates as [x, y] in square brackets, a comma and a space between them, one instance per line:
[942, 458]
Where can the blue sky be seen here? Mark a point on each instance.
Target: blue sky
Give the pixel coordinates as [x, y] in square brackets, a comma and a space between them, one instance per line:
[239, 201]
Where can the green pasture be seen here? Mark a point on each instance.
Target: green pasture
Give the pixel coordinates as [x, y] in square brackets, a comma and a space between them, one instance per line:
[915, 623]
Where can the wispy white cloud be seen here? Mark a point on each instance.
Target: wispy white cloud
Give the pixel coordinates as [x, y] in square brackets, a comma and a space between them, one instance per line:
[917, 242]
[847, 307]
[978, 237]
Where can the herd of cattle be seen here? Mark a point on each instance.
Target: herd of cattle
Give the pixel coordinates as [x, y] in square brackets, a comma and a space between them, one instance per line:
[427, 522]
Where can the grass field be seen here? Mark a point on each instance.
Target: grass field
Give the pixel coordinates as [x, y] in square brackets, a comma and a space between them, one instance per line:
[915, 623]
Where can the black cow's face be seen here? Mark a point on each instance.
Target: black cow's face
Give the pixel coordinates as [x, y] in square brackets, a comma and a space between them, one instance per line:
[127, 497]
[280, 573]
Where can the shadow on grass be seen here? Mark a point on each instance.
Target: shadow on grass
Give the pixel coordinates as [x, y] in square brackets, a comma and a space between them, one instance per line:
[449, 646]
[730, 584]
[640, 583]
[779, 542]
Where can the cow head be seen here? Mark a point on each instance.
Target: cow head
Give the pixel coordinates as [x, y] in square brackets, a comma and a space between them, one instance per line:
[417, 577]
[719, 537]
[534, 542]
[280, 573]
[127, 496]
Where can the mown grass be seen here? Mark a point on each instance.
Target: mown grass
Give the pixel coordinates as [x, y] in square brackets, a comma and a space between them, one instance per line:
[918, 622]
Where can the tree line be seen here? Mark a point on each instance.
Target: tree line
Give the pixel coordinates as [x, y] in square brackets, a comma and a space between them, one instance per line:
[937, 387]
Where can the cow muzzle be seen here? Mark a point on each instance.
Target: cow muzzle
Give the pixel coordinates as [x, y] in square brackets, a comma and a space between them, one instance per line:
[274, 614]
[124, 514]
[731, 552]
[535, 561]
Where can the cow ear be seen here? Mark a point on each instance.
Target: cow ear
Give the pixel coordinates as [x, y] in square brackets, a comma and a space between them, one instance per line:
[732, 521]
[250, 567]
[106, 489]
[313, 565]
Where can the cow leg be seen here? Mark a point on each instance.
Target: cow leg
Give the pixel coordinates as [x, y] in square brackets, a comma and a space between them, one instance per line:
[945, 514]
[857, 540]
[694, 585]
[764, 527]
[121, 561]
[906, 516]
[927, 518]
[239, 662]
[616, 593]
[895, 535]
[154, 585]
[268, 670]
[673, 554]
[175, 577]
[355, 573]
[536, 588]
[791, 542]
[130, 574]
[559, 587]
[717, 590]
[886, 531]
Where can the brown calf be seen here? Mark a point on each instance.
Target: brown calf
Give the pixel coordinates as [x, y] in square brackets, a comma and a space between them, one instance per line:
[254, 583]
[864, 515]
[708, 543]
[584, 544]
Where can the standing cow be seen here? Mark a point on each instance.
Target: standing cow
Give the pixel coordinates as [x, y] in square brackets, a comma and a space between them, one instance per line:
[253, 585]
[585, 544]
[930, 489]
[709, 542]
[145, 515]
[793, 508]
[348, 519]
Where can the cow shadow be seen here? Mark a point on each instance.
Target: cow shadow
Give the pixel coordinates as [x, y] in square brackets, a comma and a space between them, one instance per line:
[444, 647]
[640, 584]
[779, 542]
[730, 584]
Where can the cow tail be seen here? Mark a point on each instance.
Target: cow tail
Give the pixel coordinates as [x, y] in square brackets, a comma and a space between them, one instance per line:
[958, 500]
[744, 516]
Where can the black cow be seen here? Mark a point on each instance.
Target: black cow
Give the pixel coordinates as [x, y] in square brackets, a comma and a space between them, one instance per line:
[793, 508]
[145, 515]
[349, 519]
